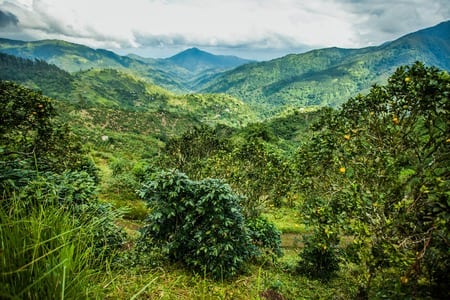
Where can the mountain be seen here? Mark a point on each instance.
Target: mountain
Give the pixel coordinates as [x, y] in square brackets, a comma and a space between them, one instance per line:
[179, 73]
[74, 57]
[330, 76]
[68, 56]
[197, 61]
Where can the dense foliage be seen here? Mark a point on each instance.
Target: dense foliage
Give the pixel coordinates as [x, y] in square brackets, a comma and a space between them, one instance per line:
[53, 230]
[377, 177]
[246, 159]
[31, 138]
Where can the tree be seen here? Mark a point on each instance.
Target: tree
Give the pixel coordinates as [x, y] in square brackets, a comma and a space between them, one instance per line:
[250, 163]
[25, 116]
[31, 137]
[188, 152]
[377, 172]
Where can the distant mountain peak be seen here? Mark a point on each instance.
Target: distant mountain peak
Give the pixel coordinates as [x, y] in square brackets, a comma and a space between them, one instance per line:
[195, 49]
[197, 60]
[187, 53]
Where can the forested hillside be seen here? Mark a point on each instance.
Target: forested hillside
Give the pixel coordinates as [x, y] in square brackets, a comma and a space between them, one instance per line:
[328, 77]
[178, 73]
[115, 89]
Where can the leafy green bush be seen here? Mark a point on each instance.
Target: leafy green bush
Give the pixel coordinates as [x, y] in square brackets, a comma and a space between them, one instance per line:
[319, 257]
[198, 223]
[71, 189]
[265, 236]
[75, 193]
[123, 185]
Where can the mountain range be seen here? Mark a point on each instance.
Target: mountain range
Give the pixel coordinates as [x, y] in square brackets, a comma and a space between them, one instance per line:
[112, 89]
[320, 77]
[177, 73]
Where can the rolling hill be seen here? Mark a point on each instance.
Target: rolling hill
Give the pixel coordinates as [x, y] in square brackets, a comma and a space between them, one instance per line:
[178, 73]
[330, 76]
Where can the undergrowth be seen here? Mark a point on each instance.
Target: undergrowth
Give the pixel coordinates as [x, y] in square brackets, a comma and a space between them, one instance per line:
[47, 254]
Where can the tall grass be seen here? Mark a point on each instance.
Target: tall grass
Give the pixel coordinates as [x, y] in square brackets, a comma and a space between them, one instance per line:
[45, 255]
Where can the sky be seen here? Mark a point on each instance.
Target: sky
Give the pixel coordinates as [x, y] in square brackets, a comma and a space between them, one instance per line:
[254, 29]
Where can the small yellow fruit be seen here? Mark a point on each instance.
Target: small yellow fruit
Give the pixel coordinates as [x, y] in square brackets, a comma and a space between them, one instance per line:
[342, 170]
[404, 279]
[347, 137]
[395, 120]
[407, 79]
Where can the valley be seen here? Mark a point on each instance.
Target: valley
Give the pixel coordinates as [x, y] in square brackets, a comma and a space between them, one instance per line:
[319, 175]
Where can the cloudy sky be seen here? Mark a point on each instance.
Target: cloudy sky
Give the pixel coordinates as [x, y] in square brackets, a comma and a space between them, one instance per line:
[258, 29]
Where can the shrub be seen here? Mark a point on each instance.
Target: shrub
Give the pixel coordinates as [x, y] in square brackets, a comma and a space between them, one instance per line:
[198, 223]
[75, 193]
[319, 258]
[265, 236]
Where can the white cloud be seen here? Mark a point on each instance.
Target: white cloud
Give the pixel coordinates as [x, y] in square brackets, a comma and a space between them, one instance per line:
[382, 20]
[230, 24]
